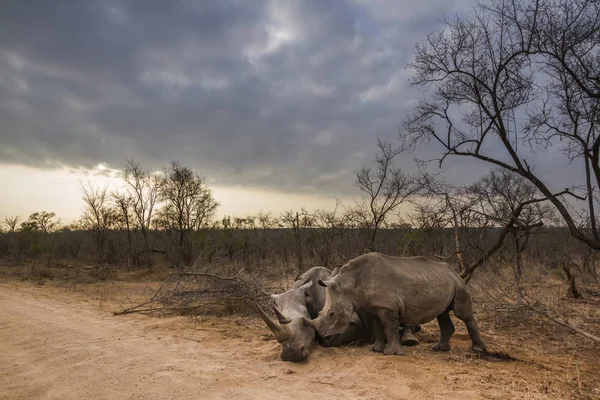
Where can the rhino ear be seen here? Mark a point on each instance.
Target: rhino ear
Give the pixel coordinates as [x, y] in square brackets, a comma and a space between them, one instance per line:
[306, 286]
[355, 321]
[299, 282]
[304, 289]
[331, 284]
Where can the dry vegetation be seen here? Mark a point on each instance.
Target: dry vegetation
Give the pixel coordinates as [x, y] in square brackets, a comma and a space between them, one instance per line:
[530, 355]
[535, 286]
[527, 251]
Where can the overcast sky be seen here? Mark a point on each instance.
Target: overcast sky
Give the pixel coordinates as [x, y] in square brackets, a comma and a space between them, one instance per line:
[275, 102]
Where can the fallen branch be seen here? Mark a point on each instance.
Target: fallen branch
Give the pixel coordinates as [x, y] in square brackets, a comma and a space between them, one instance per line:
[523, 301]
[564, 323]
[189, 291]
[136, 309]
[225, 278]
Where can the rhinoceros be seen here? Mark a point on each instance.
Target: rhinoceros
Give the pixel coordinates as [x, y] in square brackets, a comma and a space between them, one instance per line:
[291, 331]
[292, 310]
[303, 301]
[358, 330]
[389, 290]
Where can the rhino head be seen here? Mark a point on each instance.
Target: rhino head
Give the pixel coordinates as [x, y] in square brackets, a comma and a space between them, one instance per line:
[337, 314]
[291, 331]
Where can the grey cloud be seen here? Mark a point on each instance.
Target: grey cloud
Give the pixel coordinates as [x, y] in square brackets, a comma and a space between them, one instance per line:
[283, 94]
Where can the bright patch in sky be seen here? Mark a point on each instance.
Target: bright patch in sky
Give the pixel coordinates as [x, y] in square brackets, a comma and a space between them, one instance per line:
[27, 190]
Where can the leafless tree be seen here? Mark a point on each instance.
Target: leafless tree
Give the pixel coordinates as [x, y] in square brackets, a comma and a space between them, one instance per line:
[449, 205]
[299, 222]
[124, 212]
[142, 186]
[188, 205]
[514, 58]
[386, 187]
[99, 216]
[427, 221]
[265, 222]
[500, 200]
[328, 229]
[511, 200]
[11, 223]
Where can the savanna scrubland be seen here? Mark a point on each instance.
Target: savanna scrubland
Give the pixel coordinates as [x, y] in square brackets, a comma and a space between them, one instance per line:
[184, 320]
[149, 291]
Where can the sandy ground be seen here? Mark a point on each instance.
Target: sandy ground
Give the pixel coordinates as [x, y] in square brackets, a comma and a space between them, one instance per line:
[58, 344]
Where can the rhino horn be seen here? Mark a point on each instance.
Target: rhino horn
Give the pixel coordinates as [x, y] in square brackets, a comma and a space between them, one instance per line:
[283, 320]
[310, 322]
[281, 332]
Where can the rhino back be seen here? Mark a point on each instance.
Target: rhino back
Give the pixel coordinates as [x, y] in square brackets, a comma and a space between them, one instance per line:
[425, 287]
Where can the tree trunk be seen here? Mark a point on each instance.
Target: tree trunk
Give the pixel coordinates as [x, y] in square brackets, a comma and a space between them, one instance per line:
[518, 257]
[574, 291]
[298, 237]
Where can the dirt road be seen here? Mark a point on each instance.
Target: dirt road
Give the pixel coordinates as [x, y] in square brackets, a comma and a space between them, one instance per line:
[66, 348]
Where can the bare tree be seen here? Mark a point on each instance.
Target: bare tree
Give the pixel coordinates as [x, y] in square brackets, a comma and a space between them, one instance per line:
[124, 210]
[11, 223]
[189, 205]
[505, 197]
[451, 208]
[386, 187]
[329, 227]
[427, 221]
[500, 200]
[142, 186]
[299, 222]
[265, 222]
[483, 73]
[98, 217]
[40, 222]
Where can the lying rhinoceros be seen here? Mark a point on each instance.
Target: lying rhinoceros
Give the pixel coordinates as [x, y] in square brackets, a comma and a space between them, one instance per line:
[292, 310]
[390, 290]
[291, 331]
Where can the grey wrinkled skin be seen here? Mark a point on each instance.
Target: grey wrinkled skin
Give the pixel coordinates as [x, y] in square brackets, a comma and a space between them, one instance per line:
[391, 290]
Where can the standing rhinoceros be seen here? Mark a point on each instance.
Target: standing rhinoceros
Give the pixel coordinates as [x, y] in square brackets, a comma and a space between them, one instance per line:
[389, 290]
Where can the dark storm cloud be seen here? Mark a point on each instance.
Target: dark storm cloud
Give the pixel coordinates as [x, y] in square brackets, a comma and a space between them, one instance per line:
[286, 94]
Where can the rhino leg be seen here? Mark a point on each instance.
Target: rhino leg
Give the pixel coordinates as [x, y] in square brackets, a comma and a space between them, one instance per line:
[375, 324]
[446, 332]
[408, 337]
[391, 322]
[463, 309]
